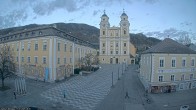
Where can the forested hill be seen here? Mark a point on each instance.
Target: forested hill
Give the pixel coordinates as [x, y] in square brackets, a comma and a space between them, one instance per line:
[88, 33]
[142, 42]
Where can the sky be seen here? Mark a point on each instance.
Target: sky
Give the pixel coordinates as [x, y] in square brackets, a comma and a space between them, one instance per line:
[154, 18]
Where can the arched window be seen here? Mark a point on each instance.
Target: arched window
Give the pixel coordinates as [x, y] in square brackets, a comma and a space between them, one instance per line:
[124, 31]
[103, 32]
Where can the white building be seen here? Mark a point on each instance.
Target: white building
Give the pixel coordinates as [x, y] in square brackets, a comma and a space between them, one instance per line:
[168, 66]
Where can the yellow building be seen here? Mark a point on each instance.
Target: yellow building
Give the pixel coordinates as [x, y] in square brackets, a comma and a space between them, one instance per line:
[46, 53]
[167, 67]
[115, 46]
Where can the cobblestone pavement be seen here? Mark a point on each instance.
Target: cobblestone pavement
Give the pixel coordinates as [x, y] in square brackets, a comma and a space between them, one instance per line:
[137, 99]
[85, 92]
[94, 92]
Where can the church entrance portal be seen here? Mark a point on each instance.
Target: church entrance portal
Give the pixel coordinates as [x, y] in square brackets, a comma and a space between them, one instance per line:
[116, 60]
[111, 60]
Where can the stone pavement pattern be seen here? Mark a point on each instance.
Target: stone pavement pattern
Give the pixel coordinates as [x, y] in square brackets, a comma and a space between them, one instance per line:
[85, 92]
[117, 100]
[94, 91]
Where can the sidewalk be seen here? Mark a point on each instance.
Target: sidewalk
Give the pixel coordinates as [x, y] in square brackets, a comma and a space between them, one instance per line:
[116, 99]
[173, 101]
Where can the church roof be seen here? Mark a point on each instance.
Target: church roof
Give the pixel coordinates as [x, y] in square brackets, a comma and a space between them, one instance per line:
[170, 46]
[124, 14]
[104, 15]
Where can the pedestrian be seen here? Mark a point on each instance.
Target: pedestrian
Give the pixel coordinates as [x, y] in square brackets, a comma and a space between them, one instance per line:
[127, 95]
[14, 95]
[64, 94]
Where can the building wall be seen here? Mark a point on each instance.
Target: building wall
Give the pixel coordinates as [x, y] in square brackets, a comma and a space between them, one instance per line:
[55, 67]
[107, 59]
[132, 49]
[146, 70]
[115, 42]
[167, 70]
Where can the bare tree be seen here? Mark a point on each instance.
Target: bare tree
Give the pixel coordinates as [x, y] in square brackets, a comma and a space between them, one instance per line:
[184, 40]
[7, 65]
[90, 60]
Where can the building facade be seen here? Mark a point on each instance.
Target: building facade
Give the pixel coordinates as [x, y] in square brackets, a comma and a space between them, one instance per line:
[46, 53]
[167, 67]
[115, 46]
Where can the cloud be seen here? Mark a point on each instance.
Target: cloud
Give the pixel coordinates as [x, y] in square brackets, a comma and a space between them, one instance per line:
[151, 1]
[16, 17]
[95, 12]
[186, 23]
[20, 10]
[15, 12]
[171, 33]
[46, 8]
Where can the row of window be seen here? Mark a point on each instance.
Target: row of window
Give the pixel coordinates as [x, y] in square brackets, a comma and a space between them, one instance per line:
[20, 35]
[172, 78]
[111, 34]
[103, 45]
[111, 52]
[44, 60]
[44, 47]
[173, 62]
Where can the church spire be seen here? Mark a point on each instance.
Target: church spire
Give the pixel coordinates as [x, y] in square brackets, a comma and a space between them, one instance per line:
[104, 13]
[124, 14]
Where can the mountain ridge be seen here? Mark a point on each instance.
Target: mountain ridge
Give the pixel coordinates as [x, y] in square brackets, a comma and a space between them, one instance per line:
[88, 33]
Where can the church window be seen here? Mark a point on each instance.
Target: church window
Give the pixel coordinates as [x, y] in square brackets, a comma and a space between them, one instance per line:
[103, 44]
[111, 52]
[124, 44]
[103, 32]
[124, 31]
[116, 44]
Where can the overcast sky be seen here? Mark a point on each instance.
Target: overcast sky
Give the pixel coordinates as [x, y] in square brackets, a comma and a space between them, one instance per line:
[158, 18]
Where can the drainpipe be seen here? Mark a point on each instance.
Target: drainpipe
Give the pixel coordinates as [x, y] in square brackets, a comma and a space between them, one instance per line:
[73, 48]
[149, 89]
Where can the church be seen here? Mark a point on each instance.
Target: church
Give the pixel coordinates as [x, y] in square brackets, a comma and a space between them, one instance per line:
[115, 46]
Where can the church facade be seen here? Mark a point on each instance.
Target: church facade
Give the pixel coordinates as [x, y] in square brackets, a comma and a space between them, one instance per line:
[115, 45]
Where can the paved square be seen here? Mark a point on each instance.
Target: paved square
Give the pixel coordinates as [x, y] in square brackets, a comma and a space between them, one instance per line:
[94, 92]
[85, 92]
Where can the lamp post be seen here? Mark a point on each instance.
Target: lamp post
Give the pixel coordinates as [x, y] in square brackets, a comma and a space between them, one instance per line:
[122, 68]
[112, 80]
[118, 74]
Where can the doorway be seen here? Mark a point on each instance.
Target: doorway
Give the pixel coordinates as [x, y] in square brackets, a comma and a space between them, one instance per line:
[116, 60]
[111, 61]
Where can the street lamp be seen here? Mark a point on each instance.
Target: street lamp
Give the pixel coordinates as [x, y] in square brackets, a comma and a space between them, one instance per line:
[122, 68]
[118, 74]
[112, 80]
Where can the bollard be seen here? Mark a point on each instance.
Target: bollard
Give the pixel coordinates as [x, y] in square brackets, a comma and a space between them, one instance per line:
[112, 79]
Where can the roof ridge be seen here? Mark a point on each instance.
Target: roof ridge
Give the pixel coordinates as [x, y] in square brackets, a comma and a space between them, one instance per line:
[170, 46]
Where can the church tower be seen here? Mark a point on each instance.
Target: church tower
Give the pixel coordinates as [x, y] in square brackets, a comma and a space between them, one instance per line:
[104, 25]
[124, 25]
[114, 42]
[125, 38]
